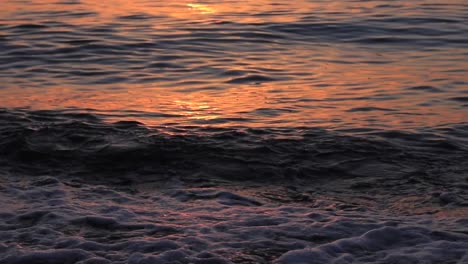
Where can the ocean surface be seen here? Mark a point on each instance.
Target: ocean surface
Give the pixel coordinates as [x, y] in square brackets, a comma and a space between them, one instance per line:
[267, 131]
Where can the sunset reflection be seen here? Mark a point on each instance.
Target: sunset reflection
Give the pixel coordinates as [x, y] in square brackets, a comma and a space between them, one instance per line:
[196, 110]
[171, 64]
[203, 9]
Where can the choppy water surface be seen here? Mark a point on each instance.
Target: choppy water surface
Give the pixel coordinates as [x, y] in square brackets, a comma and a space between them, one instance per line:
[233, 131]
[380, 64]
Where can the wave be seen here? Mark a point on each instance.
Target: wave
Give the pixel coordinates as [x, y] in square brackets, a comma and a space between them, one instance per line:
[36, 142]
[79, 189]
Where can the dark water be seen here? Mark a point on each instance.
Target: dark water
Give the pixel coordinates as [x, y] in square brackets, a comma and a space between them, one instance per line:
[233, 131]
[46, 142]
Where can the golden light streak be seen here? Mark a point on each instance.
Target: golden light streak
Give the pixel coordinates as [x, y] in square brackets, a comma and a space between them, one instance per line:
[201, 8]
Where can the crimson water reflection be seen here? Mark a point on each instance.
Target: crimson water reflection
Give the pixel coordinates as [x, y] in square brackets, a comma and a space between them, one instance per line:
[266, 63]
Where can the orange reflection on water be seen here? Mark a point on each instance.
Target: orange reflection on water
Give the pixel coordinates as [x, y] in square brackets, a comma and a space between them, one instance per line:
[196, 110]
[312, 83]
[251, 105]
[203, 9]
[243, 11]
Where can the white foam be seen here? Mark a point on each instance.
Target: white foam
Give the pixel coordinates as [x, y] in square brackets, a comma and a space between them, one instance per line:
[43, 220]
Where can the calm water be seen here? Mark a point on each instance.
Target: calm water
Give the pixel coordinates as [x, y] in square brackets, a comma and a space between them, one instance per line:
[222, 132]
[269, 63]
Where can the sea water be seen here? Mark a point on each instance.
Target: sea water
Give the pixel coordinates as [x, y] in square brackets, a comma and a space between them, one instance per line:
[264, 131]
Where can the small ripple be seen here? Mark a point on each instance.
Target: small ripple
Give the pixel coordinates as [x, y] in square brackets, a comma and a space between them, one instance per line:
[163, 65]
[462, 99]
[272, 111]
[29, 26]
[137, 17]
[368, 109]
[80, 42]
[251, 79]
[425, 88]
